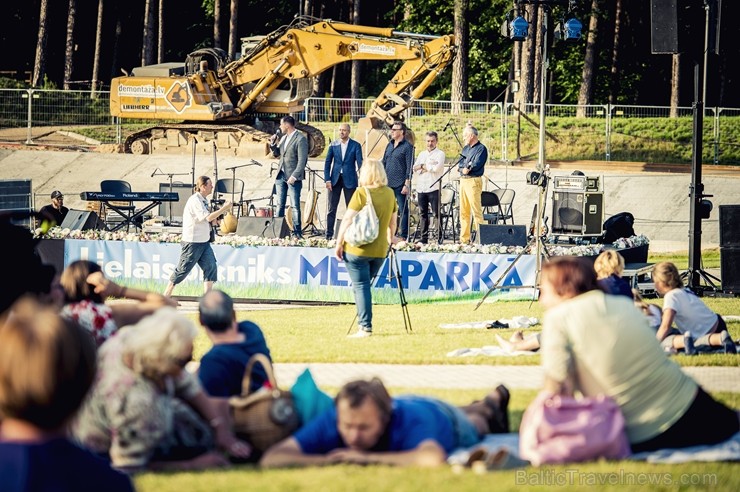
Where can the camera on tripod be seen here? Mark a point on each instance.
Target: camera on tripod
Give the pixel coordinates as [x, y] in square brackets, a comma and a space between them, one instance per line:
[536, 178]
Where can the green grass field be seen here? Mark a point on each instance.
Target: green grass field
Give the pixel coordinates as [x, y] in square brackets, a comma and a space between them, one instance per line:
[303, 334]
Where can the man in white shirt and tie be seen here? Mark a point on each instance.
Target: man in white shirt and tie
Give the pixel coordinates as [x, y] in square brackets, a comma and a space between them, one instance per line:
[428, 168]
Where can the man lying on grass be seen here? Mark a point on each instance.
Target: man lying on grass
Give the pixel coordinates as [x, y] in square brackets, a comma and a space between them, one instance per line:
[367, 426]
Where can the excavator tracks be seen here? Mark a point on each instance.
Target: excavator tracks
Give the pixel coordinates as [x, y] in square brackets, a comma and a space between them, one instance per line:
[241, 140]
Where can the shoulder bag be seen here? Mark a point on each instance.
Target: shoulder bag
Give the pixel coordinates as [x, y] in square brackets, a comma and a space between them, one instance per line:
[266, 416]
[365, 225]
[562, 429]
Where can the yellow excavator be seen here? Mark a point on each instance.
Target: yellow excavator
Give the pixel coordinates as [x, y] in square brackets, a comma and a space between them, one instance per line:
[238, 104]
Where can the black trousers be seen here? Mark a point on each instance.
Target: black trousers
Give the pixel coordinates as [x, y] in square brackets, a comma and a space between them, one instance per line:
[334, 195]
[425, 200]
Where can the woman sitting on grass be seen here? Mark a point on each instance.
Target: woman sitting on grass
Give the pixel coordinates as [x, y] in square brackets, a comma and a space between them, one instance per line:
[85, 291]
[698, 327]
[146, 411]
[599, 344]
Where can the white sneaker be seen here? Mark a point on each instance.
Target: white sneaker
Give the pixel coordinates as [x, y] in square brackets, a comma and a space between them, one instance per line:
[360, 334]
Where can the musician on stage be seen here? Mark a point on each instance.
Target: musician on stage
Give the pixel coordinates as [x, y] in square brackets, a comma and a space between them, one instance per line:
[292, 149]
[346, 156]
[471, 165]
[197, 226]
[428, 168]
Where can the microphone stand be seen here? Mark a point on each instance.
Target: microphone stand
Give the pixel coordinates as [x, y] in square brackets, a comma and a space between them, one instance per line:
[233, 180]
[159, 172]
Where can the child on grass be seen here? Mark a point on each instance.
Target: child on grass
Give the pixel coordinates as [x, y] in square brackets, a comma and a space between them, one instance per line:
[697, 326]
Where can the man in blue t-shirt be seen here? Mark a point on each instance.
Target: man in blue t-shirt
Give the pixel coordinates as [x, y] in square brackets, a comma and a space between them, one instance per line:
[367, 426]
[222, 368]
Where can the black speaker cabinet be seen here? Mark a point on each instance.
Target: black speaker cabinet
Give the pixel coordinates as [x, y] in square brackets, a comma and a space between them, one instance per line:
[271, 227]
[676, 26]
[577, 213]
[508, 235]
[173, 210]
[730, 268]
[82, 220]
[729, 226]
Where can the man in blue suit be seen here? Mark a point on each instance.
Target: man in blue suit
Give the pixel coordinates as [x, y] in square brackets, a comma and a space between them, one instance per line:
[346, 156]
[292, 149]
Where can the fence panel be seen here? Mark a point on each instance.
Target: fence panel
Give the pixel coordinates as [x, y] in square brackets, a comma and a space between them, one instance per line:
[621, 132]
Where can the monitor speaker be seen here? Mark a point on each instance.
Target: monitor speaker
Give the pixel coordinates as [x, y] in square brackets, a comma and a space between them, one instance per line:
[577, 213]
[729, 226]
[82, 220]
[271, 227]
[508, 235]
[730, 269]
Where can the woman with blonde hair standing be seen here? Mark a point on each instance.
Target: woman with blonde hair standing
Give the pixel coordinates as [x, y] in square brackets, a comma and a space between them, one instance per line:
[364, 262]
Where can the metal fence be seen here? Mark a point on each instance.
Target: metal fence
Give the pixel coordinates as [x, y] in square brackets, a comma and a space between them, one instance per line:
[594, 132]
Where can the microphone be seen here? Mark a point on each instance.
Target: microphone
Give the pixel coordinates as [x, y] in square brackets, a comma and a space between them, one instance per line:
[256, 163]
[155, 172]
[447, 125]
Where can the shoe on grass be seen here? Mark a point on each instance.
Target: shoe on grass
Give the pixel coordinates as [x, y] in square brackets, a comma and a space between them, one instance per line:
[728, 343]
[360, 334]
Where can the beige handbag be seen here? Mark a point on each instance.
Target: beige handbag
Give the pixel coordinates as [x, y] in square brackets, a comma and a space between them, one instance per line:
[267, 415]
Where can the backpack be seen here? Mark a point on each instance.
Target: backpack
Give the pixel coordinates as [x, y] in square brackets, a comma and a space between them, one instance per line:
[365, 225]
[618, 226]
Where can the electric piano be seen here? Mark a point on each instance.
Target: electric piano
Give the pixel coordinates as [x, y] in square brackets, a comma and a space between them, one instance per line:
[136, 218]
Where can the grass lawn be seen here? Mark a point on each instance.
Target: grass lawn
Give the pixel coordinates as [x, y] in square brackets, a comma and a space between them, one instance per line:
[619, 474]
[307, 334]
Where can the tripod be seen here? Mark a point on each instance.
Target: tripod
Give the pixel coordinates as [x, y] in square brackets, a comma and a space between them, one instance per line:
[393, 272]
[536, 239]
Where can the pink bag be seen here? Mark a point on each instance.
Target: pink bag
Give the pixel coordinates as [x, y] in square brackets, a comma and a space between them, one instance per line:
[562, 429]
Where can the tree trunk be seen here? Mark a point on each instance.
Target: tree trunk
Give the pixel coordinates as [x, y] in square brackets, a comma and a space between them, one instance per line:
[160, 32]
[39, 64]
[115, 70]
[234, 47]
[614, 79]
[585, 94]
[216, 23]
[675, 83]
[69, 48]
[98, 46]
[460, 63]
[528, 47]
[540, 39]
[357, 109]
[147, 45]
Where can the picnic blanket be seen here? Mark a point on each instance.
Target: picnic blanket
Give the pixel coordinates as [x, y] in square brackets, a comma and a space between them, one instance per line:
[515, 322]
[725, 451]
[489, 350]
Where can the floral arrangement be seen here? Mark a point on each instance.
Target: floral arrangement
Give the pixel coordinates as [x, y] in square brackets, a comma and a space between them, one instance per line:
[318, 242]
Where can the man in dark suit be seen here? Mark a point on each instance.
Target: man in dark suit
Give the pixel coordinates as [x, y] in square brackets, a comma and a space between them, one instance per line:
[292, 149]
[346, 154]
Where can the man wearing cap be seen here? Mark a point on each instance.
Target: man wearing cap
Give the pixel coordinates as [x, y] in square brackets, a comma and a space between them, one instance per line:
[55, 211]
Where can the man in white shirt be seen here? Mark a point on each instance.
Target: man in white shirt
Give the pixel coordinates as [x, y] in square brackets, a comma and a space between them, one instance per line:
[428, 168]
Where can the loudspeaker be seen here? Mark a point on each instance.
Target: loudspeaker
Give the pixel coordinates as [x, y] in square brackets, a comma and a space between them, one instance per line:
[508, 235]
[184, 191]
[729, 226]
[263, 227]
[730, 268]
[677, 26]
[577, 213]
[82, 220]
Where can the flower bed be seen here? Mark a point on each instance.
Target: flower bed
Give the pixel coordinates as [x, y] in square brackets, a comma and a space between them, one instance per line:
[316, 242]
